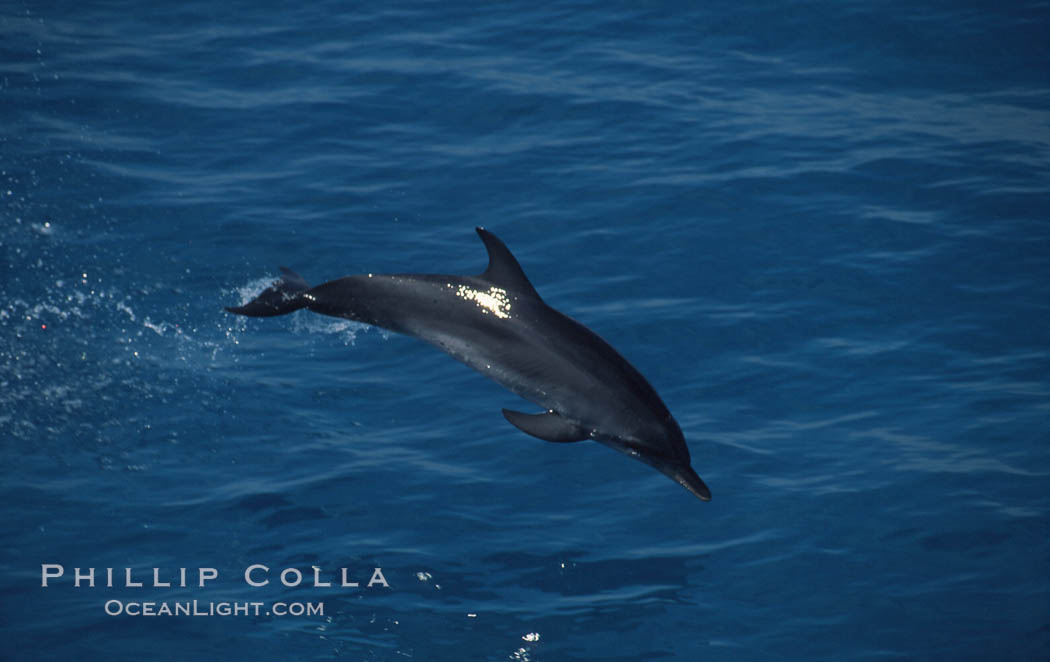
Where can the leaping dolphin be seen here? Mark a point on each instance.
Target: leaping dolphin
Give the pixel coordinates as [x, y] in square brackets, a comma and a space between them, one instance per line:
[497, 324]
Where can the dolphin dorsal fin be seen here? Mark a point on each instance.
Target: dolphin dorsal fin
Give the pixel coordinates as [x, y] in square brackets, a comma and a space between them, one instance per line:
[504, 270]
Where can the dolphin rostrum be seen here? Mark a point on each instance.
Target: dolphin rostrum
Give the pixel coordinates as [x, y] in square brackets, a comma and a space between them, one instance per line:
[497, 324]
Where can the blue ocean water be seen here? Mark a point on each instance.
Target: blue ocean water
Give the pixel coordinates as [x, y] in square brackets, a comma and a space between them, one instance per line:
[819, 229]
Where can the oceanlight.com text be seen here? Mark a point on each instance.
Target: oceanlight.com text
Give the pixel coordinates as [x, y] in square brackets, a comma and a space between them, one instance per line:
[207, 608]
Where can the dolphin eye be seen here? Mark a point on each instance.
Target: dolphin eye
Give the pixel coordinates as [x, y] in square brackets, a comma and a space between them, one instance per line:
[636, 447]
[654, 451]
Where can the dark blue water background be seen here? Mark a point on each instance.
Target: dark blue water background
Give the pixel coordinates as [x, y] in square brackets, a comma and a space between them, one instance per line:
[820, 229]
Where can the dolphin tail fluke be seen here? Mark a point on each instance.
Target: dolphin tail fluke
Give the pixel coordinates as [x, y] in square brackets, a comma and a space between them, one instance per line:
[283, 297]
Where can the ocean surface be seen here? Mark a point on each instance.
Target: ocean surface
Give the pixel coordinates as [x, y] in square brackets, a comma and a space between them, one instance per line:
[820, 229]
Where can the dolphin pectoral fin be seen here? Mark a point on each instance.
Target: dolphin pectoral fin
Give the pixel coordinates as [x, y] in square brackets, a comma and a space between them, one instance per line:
[281, 298]
[548, 426]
